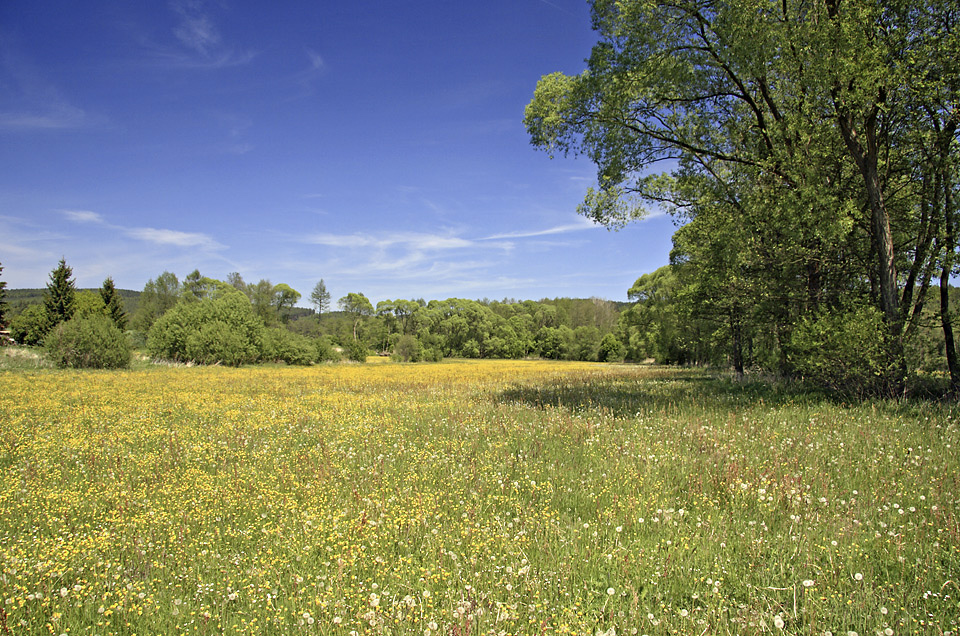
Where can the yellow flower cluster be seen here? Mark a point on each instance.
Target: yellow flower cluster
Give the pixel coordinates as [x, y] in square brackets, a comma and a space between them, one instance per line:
[481, 497]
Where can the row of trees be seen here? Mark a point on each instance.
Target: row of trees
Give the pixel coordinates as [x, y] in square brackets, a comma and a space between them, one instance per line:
[572, 329]
[809, 151]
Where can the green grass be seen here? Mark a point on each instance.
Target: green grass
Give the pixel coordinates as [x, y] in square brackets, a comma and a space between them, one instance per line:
[470, 498]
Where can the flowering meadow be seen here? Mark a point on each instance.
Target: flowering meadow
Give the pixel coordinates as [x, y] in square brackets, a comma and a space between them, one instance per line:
[483, 497]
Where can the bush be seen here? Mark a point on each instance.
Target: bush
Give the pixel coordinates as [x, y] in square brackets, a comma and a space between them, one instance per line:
[407, 349]
[31, 325]
[93, 342]
[611, 349]
[324, 351]
[356, 351]
[282, 345]
[217, 343]
[843, 350]
[222, 330]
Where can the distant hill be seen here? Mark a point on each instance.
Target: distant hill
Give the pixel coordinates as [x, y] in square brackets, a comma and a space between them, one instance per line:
[20, 299]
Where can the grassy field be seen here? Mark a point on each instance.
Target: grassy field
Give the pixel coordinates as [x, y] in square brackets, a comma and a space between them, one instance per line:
[469, 498]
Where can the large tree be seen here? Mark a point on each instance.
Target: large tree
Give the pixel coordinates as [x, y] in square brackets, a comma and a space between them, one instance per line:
[159, 296]
[284, 298]
[793, 119]
[359, 306]
[60, 295]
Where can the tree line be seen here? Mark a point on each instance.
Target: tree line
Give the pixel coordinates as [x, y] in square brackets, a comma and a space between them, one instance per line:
[809, 153]
[209, 321]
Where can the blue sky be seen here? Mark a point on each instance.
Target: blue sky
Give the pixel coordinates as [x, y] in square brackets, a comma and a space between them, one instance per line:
[376, 145]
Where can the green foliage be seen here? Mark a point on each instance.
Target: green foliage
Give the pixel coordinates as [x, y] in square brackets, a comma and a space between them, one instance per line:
[197, 287]
[357, 351]
[113, 303]
[3, 301]
[31, 325]
[611, 349]
[60, 295]
[320, 297]
[222, 330]
[282, 345]
[324, 351]
[284, 298]
[843, 351]
[158, 297]
[87, 303]
[804, 177]
[407, 349]
[92, 342]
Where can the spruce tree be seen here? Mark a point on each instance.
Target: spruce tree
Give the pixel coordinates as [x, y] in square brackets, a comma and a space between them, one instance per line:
[114, 304]
[60, 294]
[3, 300]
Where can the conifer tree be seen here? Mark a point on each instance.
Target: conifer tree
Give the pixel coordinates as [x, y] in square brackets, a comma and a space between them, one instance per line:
[3, 300]
[61, 292]
[113, 304]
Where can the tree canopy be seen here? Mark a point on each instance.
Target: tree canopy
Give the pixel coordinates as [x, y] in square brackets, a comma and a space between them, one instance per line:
[808, 149]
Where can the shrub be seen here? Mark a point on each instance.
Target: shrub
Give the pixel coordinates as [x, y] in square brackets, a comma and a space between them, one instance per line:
[407, 349]
[218, 343]
[611, 349]
[222, 330]
[31, 325]
[356, 351]
[282, 345]
[843, 350]
[324, 351]
[93, 342]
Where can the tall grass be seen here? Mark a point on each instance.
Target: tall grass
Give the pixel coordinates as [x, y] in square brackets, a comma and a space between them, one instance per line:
[469, 498]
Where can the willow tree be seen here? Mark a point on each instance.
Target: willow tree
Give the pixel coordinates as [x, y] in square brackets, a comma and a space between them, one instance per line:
[790, 117]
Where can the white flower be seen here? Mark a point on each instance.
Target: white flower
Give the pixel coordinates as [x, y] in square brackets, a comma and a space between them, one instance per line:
[611, 591]
[778, 622]
[374, 600]
[684, 612]
[337, 620]
[807, 583]
[858, 576]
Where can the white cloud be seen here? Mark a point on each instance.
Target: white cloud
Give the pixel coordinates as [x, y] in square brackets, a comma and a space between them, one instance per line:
[173, 237]
[197, 32]
[197, 42]
[409, 240]
[82, 216]
[315, 60]
[582, 224]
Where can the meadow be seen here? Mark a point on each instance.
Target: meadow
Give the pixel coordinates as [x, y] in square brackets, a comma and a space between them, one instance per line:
[484, 497]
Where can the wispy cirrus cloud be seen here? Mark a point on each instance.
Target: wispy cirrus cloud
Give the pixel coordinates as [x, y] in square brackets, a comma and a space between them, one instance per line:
[410, 240]
[173, 237]
[28, 101]
[197, 42]
[157, 236]
[82, 216]
[579, 226]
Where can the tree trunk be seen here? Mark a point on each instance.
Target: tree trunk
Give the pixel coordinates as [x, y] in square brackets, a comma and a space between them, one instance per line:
[946, 320]
[736, 331]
